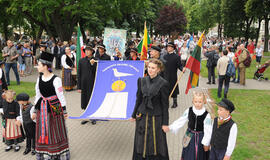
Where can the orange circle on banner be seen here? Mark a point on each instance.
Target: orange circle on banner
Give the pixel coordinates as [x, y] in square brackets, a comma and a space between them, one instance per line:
[118, 85]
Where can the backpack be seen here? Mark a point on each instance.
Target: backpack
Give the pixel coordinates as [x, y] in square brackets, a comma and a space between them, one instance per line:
[230, 72]
[247, 61]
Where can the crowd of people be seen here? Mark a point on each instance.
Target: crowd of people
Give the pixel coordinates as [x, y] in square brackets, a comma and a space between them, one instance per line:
[44, 122]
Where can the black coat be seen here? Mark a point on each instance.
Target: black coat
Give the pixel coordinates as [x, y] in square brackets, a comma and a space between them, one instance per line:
[103, 57]
[152, 109]
[86, 79]
[172, 63]
[156, 101]
[212, 58]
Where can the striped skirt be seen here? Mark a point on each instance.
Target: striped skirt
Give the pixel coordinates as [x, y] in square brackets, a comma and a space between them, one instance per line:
[68, 80]
[12, 134]
[57, 143]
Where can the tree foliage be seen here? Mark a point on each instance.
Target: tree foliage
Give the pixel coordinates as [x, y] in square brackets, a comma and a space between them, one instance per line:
[171, 19]
[261, 11]
[201, 16]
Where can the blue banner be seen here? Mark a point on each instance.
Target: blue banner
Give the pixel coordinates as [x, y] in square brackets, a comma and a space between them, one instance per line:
[114, 93]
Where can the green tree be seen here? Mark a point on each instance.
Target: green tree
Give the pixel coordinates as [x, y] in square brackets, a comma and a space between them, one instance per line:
[235, 20]
[172, 20]
[261, 11]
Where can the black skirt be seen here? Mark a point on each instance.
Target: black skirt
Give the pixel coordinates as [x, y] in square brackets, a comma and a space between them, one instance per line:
[150, 142]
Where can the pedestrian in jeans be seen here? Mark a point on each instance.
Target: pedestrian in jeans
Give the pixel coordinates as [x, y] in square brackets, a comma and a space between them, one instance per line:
[10, 54]
[259, 54]
[27, 53]
[21, 60]
[222, 77]
[211, 64]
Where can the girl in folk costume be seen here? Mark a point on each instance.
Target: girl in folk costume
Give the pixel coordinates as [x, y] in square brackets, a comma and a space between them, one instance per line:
[68, 62]
[50, 113]
[197, 137]
[151, 115]
[12, 134]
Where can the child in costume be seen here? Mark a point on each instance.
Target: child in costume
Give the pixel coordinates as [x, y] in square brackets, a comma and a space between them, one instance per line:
[197, 137]
[224, 132]
[29, 125]
[12, 134]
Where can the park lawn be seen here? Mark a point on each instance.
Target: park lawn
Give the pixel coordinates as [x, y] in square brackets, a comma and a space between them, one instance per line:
[27, 87]
[266, 54]
[252, 118]
[249, 71]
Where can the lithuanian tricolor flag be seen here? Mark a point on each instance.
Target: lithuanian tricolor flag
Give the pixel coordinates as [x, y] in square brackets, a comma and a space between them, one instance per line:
[194, 63]
[143, 45]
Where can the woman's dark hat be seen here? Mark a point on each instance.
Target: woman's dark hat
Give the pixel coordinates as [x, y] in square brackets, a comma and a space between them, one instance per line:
[102, 46]
[46, 58]
[134, 50]
[156, 48]
[90, 48]
[227, 104]
[171, 44]
[22, 97]
[43, 44]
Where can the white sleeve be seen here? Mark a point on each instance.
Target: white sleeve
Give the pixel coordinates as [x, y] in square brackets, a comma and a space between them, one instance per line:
[32, 111]
[176, 125]
[57, 83]
[19, 118]
[207, 130]
[232, 140]
[1, 110]
[38, 95]
[63, 61]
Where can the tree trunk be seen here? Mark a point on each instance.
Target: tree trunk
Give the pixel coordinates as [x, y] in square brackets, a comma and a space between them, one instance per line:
[248, 21]
[5, 29]
[266, 33]
[258, 31]
[40, 31]
[138, 31]
[219, 30]
[83, 31]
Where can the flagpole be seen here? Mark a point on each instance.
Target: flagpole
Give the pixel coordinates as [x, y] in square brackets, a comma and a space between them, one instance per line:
[179, 77]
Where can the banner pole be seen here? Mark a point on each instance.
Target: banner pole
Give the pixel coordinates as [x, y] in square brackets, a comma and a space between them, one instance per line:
[179, 77]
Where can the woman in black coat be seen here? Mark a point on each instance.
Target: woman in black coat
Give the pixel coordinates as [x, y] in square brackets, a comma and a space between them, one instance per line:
[151, 115]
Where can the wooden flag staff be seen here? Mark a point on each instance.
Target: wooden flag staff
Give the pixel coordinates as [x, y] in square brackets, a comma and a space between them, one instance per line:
[179, 77]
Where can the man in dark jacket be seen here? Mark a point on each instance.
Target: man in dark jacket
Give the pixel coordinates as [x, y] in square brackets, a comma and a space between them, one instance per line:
[212, 56]
[86, 77]
[102, 53]
[130, 45]
[173, 62]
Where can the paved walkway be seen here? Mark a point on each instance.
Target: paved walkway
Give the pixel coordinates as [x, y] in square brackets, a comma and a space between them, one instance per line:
[112, 140]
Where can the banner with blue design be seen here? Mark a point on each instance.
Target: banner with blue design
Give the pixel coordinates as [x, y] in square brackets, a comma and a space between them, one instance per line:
[114, 38]
[114, 93]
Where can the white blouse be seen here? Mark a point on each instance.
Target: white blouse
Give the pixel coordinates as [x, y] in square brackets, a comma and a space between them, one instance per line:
[57, 83]
[179, 123]
[63, 60]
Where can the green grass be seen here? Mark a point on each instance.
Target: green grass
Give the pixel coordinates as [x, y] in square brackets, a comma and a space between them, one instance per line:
[266, 54]
[252, 118]
[27, 87]
[249, 71]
